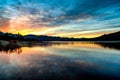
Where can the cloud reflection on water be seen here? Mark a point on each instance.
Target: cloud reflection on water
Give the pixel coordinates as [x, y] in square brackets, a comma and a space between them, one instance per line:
[66, 60]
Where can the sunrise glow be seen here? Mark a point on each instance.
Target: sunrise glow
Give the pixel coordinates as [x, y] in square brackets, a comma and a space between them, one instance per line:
[53, 18]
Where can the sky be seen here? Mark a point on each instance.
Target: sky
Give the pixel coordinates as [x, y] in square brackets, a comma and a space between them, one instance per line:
[65, 18]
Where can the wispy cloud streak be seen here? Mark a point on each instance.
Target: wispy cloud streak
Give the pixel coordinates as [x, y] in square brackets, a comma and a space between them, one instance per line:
[59, 17]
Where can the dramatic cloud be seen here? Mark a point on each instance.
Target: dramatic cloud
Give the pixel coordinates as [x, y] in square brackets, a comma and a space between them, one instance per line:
[60, 17]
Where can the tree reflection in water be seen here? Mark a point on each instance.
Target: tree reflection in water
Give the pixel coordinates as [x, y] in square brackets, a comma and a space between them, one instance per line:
[9, 50]
[14, 48]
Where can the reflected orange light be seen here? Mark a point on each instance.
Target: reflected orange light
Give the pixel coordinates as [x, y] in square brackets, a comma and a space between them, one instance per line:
[76, 45]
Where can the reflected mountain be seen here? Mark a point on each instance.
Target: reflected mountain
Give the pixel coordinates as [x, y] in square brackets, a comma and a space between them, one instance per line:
[114, 45]
[13, 47]
[107, 44]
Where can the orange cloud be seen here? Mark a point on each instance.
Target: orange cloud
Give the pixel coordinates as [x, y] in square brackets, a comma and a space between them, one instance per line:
[23, 25]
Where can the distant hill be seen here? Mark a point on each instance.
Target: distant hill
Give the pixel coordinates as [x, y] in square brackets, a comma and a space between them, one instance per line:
[109, 37]
[30, 37]
[49, 38]
[9, 36]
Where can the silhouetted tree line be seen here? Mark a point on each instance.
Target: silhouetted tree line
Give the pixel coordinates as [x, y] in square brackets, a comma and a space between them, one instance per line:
[9, 36]
[19, 37]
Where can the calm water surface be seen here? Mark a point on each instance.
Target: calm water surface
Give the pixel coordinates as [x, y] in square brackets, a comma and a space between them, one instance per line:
[61, 61]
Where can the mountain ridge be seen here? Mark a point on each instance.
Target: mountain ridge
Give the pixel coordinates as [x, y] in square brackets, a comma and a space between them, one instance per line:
[30, 37]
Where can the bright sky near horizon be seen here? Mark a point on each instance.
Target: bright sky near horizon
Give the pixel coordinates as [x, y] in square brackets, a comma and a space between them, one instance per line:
[65, 18]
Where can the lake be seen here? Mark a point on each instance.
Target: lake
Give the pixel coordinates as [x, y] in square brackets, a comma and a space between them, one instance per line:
[61, 61]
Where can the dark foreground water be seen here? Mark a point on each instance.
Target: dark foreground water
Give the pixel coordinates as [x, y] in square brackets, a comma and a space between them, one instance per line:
[62, 61]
